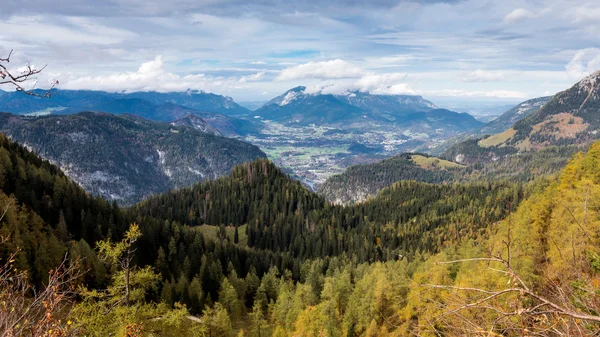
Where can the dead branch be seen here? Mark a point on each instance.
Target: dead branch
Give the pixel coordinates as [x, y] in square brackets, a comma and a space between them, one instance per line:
[17, 80]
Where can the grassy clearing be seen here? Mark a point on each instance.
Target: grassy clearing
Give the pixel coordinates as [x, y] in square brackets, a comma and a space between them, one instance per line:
[432, 162]
[497, 139]
[210, 232]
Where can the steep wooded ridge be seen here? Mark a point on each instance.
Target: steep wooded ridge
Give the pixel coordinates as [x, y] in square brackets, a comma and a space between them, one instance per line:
[569, 118]
[360, 182]
[281, 215]
[124, 157]
[537, 271]
[47, 212]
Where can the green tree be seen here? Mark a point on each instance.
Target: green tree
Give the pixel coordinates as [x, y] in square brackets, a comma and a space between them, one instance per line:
[228, 297]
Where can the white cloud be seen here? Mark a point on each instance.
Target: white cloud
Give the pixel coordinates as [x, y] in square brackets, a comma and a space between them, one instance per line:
[465, 93]
[396, 89]
[521, 14]
[348, 77]
[584, 62]
[77, 31]
[152, 75]
[380, 83]
[482, 76]
[518, 15]
[333, 69]
[586, 14]
[254, 77]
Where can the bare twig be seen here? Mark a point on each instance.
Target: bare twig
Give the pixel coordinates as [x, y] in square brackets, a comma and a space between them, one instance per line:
[17, 80]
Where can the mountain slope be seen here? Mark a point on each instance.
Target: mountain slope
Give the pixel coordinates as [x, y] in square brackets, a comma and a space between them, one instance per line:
[548, 245]
[195, 122]
[388, 106]
[124, 157]
[45, 212]
[297, 107]
[282, 215]
[569, 118]
[358, 110]
[510, 117]
[360, 182]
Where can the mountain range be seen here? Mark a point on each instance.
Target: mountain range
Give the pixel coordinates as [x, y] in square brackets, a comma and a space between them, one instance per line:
[73, 101]
[163, 107]
[358, 110]
[534, 138]
[125, 157]
[569, 118]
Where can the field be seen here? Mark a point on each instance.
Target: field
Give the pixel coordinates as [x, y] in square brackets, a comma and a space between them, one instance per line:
[314, 153]
[431, 162]
[497, 139]
[211, 232]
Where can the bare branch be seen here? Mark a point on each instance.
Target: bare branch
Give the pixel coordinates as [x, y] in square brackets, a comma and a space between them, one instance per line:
[17, 80]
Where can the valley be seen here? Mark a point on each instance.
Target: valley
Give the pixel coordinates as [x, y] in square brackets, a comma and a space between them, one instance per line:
[314, 153]
[299, 168]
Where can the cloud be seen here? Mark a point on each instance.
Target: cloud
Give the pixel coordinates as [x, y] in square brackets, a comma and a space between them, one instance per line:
[521, 14]
[333, 69]
[482, 76]
[136, 8]
[69, 31]
[377, 84]
[254, 77]
[383, 83]
[584, 62]
[351, 77]
[152, 76]
[518, 15]
[478, 93]
[586, 14]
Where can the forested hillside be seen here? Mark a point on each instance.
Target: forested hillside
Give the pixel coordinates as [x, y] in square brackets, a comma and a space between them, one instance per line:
[281, 215]
[256, 253]
[360, 182]
[124, 157]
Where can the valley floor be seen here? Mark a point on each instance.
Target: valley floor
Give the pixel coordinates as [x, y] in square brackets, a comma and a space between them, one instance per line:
[314, 153]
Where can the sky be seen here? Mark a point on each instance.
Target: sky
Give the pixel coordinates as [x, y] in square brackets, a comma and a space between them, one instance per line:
[254, 51]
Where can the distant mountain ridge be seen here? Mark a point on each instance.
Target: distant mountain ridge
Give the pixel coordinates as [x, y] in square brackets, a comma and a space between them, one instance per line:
[125, 157]
[362, 110]
[72, 101]
[216, 110]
